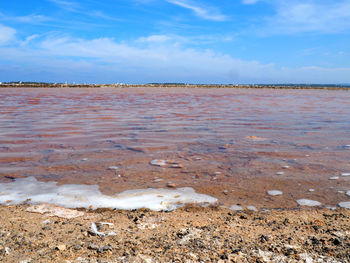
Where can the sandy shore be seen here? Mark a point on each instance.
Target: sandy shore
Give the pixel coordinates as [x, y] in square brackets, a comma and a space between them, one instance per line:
[184, 235]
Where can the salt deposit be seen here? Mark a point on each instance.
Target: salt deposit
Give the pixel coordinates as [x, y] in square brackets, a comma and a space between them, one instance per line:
[236, 208]
[334, 178]
[308, 202]
[87, 196]
[344, 205]
[274, 192]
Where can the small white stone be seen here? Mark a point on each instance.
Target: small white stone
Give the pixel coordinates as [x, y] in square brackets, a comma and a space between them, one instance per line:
[274, 192]
[286, 167]
[341, 192]
[348, 193]
[113, 168]
[280, 173]
[307, 202]
[47, 221]
[84, 159]
[158, 180]
[252, 208]
[217, 172]
[344, 205]
[311, 190]
[334, 178]
[236, 208]
[345, 174]
[157, 162]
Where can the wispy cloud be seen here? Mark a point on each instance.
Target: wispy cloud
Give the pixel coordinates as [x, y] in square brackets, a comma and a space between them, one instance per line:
[200, 11]
[6, 34]
[250, 2]
[29, 19]
[67, 5]
[308, 16]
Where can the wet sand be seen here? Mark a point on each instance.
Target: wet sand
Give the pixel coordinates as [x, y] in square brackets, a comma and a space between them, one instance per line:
[233, 144]
[184, 235]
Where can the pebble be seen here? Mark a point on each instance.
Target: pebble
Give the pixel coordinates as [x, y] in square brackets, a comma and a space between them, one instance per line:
[345, 174]
[225, 192]
[171, 185]
[236, 208]
[308, 202]
[348, 193]
[334, 178]
[113, 168]
[286, 167]
[274, 192]
[61, 247]
[341, 192]
[280, 173]
[156, 180]
[311, 190]
[84, 159]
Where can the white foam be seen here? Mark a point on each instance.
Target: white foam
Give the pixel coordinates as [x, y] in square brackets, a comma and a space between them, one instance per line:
[344, 205]
[308, 202]
[74, 196]
[274, 192]
[345, 174]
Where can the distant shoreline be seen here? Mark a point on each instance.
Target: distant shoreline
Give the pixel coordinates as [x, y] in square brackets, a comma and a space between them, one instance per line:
[174, 85]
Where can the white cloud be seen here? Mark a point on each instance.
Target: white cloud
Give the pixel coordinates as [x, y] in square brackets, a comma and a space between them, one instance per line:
[6, 34]
[202, 12]
[105, 60]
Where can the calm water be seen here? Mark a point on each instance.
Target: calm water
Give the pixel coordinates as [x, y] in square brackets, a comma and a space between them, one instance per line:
[228, 143]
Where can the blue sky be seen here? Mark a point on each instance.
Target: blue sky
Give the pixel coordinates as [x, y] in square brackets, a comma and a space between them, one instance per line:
[195, 41]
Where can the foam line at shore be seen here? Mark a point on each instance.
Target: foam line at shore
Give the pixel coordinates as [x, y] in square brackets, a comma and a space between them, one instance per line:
[87, 196]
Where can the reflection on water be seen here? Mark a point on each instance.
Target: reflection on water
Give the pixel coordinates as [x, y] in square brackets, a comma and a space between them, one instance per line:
[229, 143]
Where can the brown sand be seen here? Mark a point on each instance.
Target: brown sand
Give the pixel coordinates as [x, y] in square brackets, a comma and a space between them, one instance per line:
[185, 235]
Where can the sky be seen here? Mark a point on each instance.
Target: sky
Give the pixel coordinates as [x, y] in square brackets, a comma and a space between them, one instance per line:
[183, 41]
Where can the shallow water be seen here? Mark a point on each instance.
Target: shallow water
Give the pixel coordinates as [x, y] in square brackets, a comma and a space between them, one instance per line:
[232, 144]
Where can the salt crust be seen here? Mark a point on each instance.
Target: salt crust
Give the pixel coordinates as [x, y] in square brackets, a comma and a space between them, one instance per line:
[89, 196]
[344, 205]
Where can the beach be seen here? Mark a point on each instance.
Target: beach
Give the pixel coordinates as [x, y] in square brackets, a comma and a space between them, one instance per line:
[189, 234]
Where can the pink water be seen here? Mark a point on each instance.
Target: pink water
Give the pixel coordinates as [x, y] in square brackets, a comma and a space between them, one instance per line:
[228, 143]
